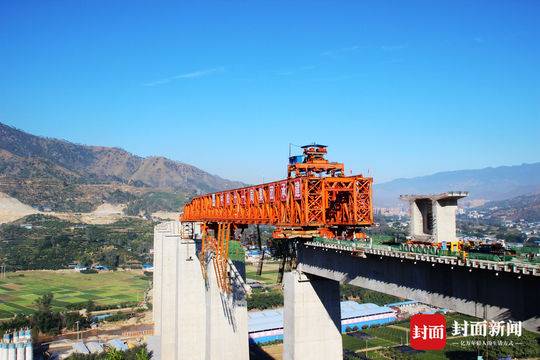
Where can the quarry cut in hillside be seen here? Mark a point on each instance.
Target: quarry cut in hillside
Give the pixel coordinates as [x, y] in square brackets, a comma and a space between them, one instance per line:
[12, 209]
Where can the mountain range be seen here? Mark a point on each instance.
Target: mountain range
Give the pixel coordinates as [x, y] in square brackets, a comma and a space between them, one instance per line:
[63, 176]
[60, 176]
[483, 185]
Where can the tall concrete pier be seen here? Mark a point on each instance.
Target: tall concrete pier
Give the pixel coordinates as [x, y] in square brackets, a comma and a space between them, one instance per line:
[433, 217]
[193, 319]
[160, 231]
[226, 318]
[311, 318]
[179, 295]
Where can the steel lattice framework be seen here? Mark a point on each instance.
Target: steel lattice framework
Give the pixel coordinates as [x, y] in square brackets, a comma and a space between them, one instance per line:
[304, 202]
[315, 200]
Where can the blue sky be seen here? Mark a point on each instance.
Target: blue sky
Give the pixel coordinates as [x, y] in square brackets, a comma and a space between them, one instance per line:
[396, 89]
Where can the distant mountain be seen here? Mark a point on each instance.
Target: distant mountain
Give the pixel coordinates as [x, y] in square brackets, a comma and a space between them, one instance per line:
[493, 183]
[526, 207]
[60, 175]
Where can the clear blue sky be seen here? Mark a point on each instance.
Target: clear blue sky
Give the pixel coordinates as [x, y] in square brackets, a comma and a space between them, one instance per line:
[396, 88]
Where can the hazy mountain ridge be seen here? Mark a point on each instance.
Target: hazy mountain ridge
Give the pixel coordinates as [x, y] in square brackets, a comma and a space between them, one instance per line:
[492, 183]
[526, 207]
[57, 174]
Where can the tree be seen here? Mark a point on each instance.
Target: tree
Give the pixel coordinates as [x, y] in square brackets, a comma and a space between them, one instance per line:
[44, 302]
[90, 306]
[45, 319]
[86, 260]
[114, 354]
[136, 353]
[143, 354]
[72, 318]
[265, 300]
[111, 258]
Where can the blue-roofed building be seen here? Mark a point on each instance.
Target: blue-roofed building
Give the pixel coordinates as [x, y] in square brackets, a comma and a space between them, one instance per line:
[94, 347]
[102, 317]
[80, 348]
[117, 344]
[254, 253]
[368, 314]
[267, 325]
[401, 304]
[101, 267]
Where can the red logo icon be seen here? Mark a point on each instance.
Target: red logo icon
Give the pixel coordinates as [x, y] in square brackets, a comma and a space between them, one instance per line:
[428, 332]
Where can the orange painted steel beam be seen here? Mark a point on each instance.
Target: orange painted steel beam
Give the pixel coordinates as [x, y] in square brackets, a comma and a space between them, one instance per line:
[302, 202]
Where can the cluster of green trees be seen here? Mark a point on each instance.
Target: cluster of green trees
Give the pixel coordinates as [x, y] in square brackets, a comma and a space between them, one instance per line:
[262, 300]
[387, 226]
[268, 299]
[349, 292]
[490, 228]
[137, 353]
[54, 244]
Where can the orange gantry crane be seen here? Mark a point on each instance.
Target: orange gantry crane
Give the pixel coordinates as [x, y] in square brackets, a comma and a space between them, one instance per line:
[316, 199]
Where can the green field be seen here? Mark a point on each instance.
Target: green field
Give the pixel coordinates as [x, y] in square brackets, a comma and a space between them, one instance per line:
[269, 273]
[380, 336]
[19, 290]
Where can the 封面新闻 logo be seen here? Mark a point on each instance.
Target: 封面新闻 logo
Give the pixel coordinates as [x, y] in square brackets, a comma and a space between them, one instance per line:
[428, 332]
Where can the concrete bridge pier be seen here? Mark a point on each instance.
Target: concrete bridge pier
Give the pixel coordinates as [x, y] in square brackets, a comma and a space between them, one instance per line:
[311, 318]
[178, 298]
[226, 318]
[193, 319]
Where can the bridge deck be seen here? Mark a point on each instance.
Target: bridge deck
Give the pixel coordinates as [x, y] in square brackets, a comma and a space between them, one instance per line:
[359, 249]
